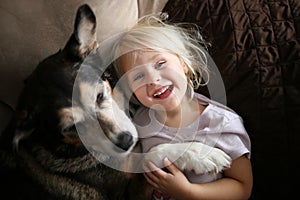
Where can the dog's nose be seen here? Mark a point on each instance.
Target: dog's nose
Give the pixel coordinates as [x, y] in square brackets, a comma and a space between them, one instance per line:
[124, 140]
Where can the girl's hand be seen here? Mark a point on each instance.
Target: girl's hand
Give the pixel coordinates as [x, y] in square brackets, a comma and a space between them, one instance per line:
[173, 182]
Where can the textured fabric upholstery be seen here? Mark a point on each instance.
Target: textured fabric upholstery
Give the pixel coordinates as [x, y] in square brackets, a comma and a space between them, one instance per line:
[256, 46]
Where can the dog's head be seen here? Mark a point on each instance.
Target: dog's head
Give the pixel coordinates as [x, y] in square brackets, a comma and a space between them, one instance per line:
[56, 103]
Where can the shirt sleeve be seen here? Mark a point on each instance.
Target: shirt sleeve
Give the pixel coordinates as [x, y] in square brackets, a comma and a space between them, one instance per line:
[234, 139]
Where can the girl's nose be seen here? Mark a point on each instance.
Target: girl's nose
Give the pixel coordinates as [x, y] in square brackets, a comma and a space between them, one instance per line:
[153, 77]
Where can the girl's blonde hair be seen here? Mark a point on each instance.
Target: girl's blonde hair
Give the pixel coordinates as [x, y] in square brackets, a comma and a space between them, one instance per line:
[153, 33]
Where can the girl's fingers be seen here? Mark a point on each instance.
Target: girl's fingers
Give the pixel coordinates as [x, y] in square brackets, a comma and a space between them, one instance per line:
[157, 171]
[150, 181]
[152, 166]
[153, 172]
[170, 166]
[150, 173]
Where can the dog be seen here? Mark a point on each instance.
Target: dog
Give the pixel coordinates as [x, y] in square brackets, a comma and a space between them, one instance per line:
[71, 137]
[50, 155]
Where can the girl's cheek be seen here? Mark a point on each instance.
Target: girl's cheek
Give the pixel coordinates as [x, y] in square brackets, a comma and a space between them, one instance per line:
[139, 93]
[138, 86]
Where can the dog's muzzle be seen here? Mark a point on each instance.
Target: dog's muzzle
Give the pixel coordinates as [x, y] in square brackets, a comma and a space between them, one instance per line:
[124, 140]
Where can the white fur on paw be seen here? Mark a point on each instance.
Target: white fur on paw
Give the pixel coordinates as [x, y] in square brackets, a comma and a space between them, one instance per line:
[191, 156]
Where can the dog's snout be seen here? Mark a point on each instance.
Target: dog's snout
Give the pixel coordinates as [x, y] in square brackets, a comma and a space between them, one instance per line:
[124, 140]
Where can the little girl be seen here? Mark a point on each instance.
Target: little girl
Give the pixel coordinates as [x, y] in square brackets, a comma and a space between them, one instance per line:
[163, 64]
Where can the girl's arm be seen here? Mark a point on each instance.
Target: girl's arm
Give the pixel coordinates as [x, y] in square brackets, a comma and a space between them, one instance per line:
[236, 183]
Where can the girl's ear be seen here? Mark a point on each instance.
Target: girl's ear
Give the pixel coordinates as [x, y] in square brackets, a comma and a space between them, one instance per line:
[185, 68]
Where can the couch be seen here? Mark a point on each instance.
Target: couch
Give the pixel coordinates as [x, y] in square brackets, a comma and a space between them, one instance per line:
[254, 43]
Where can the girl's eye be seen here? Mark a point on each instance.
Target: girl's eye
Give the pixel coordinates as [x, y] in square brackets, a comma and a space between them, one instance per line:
[138, 77]
[159, 64]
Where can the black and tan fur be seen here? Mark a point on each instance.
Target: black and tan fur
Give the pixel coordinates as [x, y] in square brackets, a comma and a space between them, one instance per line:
[42, 156]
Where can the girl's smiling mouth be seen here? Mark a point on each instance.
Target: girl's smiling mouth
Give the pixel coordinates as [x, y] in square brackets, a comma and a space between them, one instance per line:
[163, 92]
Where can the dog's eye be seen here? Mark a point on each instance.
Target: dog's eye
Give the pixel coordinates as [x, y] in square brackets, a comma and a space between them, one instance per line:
[74, 128]
[99, 97]
[70, 128]
[81, 128]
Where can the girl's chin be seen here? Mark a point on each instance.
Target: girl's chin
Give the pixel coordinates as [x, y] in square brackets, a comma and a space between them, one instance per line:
[170, 106]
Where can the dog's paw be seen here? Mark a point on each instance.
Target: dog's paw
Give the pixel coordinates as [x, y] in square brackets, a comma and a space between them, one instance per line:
[192, 156]
[202, 158]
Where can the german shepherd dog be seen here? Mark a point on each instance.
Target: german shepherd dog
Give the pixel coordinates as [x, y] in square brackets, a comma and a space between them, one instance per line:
[42, 154]
[51, 161]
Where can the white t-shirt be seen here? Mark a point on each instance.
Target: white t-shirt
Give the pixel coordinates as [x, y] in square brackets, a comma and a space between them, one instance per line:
[217, 126]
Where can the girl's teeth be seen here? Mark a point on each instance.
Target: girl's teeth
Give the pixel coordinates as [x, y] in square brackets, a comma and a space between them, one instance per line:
[160, 92]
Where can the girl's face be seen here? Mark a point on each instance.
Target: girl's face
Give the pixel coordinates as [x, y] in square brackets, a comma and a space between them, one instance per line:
[158, 79]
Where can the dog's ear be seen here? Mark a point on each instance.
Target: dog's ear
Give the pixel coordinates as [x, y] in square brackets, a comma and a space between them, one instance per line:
[84, 37]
